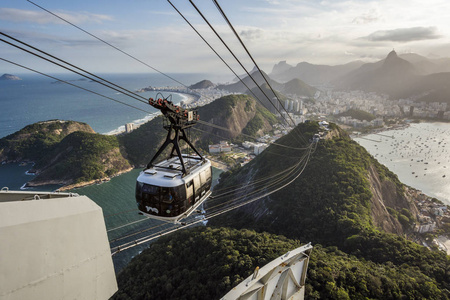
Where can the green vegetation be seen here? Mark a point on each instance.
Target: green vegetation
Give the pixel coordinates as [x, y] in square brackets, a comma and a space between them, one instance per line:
[298, 87]
[82, 156]
[333, 274]
[142, 143]
[205, 263]
[201, 263]
[35, 140]
[357, 114]
[331, 204]
[64, 152]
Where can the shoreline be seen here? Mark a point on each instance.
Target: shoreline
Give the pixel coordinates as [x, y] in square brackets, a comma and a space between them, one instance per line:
[412, 156]
[92, 182]
[186, 99]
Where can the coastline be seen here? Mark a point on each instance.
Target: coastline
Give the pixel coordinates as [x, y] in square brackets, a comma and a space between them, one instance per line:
[444, 243]
[95, 181]
[187, 99]
[419, 158]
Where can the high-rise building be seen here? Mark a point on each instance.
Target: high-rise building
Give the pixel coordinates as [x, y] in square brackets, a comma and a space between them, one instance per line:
[129, 127]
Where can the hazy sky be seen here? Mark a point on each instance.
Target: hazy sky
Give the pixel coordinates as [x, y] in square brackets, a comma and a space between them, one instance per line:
[321, 32]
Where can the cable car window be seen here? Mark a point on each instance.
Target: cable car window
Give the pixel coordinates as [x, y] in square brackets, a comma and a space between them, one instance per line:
[167, 195]
[150, 189]
[189, 184]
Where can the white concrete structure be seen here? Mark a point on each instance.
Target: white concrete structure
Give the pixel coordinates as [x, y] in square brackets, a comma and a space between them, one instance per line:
[282, 278]
[259, 147]
[129, 127]
[223, 146]
[54, 246]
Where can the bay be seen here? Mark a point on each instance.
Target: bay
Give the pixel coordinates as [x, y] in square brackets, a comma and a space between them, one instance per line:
[418, 154]
[37, 98]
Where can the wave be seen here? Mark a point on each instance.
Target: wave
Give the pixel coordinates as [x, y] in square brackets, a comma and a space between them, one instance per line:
[137, 123]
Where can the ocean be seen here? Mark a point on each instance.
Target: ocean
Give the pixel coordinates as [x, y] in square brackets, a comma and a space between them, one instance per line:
[418, 154]
[36, 98]
[420, 148]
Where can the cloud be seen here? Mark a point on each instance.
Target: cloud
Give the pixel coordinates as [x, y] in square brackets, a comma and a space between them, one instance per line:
[251, 34]
[367, 18]
[41, 17]
[404, 34]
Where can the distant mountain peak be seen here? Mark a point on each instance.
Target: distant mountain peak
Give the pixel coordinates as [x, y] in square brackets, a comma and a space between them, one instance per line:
[392, 54]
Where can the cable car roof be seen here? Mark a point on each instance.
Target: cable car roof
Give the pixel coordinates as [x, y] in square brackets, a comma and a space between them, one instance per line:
[168, 173]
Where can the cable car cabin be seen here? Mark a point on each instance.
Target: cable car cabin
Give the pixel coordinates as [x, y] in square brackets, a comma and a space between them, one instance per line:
[162, 193]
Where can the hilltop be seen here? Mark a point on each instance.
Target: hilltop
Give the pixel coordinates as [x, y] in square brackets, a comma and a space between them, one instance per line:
[71, 154]
[33, 141]
[239, 113]
[260, 78]
[354, 211]
[64, 152]
[204, 84]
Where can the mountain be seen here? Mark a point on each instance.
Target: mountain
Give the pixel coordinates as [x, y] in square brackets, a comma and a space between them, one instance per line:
[239, 87]
[238, 113]
[262, 92]
[80, 158]
[399, 78]
[390, 76]
[314, 74]
[204, 84]
[427, 66]
[357, 114]
[280, 68]
[345, 200]
[71, 153]
[64, 152]
[33, 141]
[9, 77]
[299, 88]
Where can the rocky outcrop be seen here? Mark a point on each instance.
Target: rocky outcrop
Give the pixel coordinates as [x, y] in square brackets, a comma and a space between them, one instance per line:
[238, 113]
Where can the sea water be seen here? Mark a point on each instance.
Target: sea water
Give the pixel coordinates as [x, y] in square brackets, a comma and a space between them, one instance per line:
[37, 98]
[418, 154]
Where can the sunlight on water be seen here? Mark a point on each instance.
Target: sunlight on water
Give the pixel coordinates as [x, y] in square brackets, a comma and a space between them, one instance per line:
[419, 155]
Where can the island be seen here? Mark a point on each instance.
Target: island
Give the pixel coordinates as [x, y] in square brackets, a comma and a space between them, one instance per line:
[9, 77]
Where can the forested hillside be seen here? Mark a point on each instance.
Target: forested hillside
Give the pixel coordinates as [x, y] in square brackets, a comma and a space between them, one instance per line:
[359, 249]
[334, 203]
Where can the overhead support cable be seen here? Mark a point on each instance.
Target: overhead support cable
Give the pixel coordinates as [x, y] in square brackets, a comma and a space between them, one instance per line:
[242, 66]
[232, 53]
[107, 43]
[248, 53]
[215, 52]
[246, 135]
[67, 63]
[152, 236]
[220, 57]
[74, 85]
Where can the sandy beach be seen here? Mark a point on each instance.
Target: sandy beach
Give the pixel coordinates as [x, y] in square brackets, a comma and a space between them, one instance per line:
[445, 242]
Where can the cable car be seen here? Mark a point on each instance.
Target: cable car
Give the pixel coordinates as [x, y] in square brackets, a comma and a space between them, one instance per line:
[173, 188]
[163, 193]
